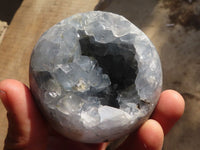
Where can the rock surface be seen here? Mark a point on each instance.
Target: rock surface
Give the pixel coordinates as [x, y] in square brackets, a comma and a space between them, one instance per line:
[95, 76]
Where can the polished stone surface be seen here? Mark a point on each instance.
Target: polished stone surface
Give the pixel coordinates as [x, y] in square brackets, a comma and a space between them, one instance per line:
[95, 76]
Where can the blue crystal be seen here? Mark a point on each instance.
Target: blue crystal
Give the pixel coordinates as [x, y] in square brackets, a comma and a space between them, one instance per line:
[95, 76]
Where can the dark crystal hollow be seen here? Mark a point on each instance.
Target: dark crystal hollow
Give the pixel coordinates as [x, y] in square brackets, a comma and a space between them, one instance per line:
[121, 69]
[95, 77]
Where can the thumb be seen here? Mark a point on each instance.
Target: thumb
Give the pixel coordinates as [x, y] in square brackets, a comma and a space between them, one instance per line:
[26, 130]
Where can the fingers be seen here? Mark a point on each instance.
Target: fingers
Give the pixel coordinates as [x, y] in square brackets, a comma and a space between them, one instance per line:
[148, 137]
[27, 129]
[62, 143]
[169, 109]
[26, 126]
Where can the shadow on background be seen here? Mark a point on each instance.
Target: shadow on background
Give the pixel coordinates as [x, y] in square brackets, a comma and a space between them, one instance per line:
[8, 9]
[137, 11]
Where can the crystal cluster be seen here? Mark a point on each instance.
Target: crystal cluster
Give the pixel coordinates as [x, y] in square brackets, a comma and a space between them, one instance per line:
[95, 76]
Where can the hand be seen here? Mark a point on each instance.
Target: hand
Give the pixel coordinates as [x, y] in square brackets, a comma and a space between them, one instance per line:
[29, 131]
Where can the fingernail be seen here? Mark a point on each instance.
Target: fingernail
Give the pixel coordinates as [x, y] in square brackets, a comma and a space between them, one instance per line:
[3, 98]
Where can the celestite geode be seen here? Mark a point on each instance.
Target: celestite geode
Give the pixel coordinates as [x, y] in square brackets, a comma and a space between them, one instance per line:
[95, 76]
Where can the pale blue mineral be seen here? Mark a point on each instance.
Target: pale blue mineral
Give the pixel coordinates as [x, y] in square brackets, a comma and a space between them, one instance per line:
[95, 76]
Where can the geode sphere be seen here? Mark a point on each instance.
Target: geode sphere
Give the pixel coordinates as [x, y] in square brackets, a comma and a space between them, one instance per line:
[95, 76]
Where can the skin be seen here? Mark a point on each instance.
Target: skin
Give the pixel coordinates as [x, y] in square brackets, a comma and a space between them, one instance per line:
[29, 131]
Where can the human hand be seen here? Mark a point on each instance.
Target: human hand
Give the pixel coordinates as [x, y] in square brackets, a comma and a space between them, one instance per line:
[29, 131]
